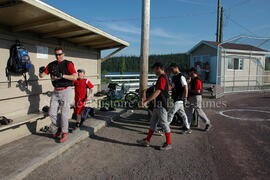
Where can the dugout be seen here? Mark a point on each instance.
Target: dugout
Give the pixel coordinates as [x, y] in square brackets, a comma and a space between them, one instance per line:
[40, 28]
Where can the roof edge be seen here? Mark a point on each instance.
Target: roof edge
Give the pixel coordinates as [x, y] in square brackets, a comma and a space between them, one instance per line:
[216, 46]
[200, 43]
[56, 12]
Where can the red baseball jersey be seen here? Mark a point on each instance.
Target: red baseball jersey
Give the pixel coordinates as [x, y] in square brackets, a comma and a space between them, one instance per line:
[81, 86]
[161, 83]
[197, 84]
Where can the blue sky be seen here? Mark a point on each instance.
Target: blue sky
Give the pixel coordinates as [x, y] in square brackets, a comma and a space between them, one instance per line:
[176, 25]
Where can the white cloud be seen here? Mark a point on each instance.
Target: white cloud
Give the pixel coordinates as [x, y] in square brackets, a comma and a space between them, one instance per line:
[136, 30]
[130, 38]
[161, 39]
[159, 32]
[126, 28]
[179, 43]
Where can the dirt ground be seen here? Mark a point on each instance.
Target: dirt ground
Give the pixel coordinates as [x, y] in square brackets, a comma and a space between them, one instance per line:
[238, 147]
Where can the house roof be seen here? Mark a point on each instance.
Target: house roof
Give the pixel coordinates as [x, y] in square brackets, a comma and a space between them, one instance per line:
[231, 46]
[49, 22]
[244, 47]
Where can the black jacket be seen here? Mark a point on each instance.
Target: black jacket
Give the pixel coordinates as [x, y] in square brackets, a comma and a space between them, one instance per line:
[61, 68]
[178, 89]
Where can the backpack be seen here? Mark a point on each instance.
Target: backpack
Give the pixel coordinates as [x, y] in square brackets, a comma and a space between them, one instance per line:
[19, 61]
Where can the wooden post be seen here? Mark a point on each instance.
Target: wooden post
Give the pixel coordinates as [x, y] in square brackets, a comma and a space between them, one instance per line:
[144, 47]
[221, 25]
[218, 22]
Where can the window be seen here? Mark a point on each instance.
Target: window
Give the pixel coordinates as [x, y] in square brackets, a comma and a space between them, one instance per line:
[230, 63]
[196, 58]
[235, 64]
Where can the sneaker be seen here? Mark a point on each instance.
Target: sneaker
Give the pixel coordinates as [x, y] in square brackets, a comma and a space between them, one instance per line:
[188, 131]
[64, 137]
[166, 147]
[207, 127]
[143, 142]
[58, 133]
[77, 125]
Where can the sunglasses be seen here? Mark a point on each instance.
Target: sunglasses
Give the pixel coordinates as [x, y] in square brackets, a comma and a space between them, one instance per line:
[59, 54]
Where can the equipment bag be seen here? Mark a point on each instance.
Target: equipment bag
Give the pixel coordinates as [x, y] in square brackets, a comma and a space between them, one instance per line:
[19, 62]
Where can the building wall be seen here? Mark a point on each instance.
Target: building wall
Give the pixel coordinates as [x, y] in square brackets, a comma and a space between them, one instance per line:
[20, 100]
[267, 77]
[209, 54]
[251, 75]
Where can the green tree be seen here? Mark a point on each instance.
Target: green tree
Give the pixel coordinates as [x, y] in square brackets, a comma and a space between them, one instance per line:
[122, 65]
[132, 63]
[104, 72]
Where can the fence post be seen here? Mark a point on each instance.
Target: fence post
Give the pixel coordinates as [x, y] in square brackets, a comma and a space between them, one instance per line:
[249, 71]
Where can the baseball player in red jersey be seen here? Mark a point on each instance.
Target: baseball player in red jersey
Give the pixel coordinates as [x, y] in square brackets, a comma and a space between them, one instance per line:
[81, 85]
[195, 98]
[62, 74]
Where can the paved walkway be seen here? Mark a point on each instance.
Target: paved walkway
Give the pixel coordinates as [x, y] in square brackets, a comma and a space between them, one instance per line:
[21, 157]
[234, 149]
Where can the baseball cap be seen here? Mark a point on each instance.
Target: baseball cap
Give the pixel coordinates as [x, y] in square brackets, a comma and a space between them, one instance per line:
[174, 65]
[81, 70]
[193, 70]
[157, 64]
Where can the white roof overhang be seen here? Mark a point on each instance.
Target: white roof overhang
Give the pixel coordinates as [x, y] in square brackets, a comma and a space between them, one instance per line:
[49, 22]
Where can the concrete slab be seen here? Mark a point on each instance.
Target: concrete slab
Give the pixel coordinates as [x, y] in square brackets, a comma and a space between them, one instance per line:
[22, 126]
[21, 157]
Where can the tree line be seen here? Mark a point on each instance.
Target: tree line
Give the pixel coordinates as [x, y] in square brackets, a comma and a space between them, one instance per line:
[132, 63]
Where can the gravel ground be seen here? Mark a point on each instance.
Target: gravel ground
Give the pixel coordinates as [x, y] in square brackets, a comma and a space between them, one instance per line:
[233, 149]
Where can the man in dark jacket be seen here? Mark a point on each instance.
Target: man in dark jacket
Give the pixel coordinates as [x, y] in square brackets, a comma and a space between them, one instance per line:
[62, 74]
[179, 96]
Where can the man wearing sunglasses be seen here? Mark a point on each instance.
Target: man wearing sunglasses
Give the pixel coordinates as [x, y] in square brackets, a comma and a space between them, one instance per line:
[62, 74]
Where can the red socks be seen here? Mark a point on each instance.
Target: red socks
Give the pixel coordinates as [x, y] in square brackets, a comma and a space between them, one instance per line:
[149, 135]
[168, 138]
[151, 132]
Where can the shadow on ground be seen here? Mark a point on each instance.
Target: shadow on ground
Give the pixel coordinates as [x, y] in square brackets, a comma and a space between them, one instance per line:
[135, 122]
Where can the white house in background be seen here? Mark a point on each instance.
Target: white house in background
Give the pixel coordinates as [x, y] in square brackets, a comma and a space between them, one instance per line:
[240, 65]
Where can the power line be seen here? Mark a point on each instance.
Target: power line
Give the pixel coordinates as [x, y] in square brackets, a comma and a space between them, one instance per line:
[238, 24]
[157, 17]
[238, 4]
[186, 15]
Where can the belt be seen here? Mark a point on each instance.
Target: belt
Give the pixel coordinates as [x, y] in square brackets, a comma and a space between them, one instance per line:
[60, 89]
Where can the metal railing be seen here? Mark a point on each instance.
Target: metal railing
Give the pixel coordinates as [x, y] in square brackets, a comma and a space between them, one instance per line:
[131, 80]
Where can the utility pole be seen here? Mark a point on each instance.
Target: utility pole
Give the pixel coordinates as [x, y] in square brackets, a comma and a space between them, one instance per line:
[218, 22]
[221, 25]
[144, 47]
